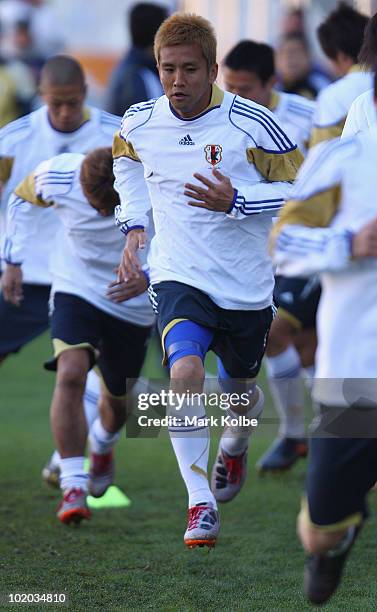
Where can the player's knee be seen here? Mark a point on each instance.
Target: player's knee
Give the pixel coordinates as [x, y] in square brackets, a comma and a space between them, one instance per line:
[189, 368]
[116, 405]
[306, 346]
[315, 541]
[72, 371]
[280, 336]
[310, 540]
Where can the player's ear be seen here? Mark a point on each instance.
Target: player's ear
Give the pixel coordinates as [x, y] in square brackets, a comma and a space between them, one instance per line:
[213, 72]
[272, 81]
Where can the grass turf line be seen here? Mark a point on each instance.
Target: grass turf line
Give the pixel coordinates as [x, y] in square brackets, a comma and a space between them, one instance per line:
[134, 558]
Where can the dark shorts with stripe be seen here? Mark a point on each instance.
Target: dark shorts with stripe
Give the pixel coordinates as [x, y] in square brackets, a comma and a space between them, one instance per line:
[240, 336]
[341, 470]
[298, 299]
[118, 347]
[21, 324]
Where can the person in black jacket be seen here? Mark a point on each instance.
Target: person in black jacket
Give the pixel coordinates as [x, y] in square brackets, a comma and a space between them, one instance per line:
[135, 78]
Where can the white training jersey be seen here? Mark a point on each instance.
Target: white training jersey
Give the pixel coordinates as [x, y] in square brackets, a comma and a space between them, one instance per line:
[223, 255]
[23, 145]
[295, 114]
[334, 197]
[88, 247]
[362, 115]
[334, 102]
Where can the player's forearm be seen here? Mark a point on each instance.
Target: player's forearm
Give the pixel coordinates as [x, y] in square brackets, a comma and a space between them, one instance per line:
[132, 213]
[20, 230]
[300, 250]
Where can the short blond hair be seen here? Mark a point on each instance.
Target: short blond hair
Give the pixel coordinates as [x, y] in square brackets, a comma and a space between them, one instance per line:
[183, 29]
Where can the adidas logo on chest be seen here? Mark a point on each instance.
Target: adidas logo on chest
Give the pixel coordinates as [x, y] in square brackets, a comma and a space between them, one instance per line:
[187, 140]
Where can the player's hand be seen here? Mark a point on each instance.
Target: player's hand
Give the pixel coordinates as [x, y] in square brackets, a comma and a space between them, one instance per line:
[130, 266]
[11, 283]
[120, 291]
[364, 243]
[216, 196]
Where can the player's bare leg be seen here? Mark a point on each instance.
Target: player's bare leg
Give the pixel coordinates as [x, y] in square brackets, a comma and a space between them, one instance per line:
[103, 435]
[70, 432]
[51, 471]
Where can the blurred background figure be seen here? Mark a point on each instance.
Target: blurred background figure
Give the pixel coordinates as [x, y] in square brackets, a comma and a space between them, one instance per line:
[18, 87]
[293, 22]
[26, 51]
[47, 32]
[30, 33]
[135, 79]
[43, 25]
[297, 72]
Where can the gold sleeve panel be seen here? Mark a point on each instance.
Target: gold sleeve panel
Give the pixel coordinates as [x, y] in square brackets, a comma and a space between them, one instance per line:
[320, 134]
[276, 166]
[6, 165]
[317, 211]
[26, 191]
[121, 148]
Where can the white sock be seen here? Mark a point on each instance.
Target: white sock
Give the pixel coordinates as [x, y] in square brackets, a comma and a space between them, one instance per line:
[235, 439]
[73, 474]
[308, 376]
[191, 447]
[55, 458]
[91, 397]
[287, 391]
[100, 440]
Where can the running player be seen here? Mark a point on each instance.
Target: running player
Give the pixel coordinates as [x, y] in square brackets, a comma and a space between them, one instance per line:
[362, 114]
[249, 71]
[211, 276]
[88, 323]
[63, 124]
[330, 227]
[341, 37]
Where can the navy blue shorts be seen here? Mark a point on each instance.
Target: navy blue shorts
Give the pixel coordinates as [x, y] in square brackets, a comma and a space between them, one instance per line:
[340, 472]
[240, 336]
[298, 299]
[21, 324]
[118, 347]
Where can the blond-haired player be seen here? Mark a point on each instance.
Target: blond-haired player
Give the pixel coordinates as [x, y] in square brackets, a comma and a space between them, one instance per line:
[211, 276]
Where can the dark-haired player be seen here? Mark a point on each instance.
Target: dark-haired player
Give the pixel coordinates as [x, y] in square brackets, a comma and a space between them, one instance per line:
[89, 322]
[63, 124]
[341, 37]
[249, 71]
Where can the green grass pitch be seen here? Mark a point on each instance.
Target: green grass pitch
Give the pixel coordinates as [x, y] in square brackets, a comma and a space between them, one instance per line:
[134, 558]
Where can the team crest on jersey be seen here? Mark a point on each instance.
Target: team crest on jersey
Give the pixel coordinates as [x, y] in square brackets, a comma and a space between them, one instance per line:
[213, 153]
